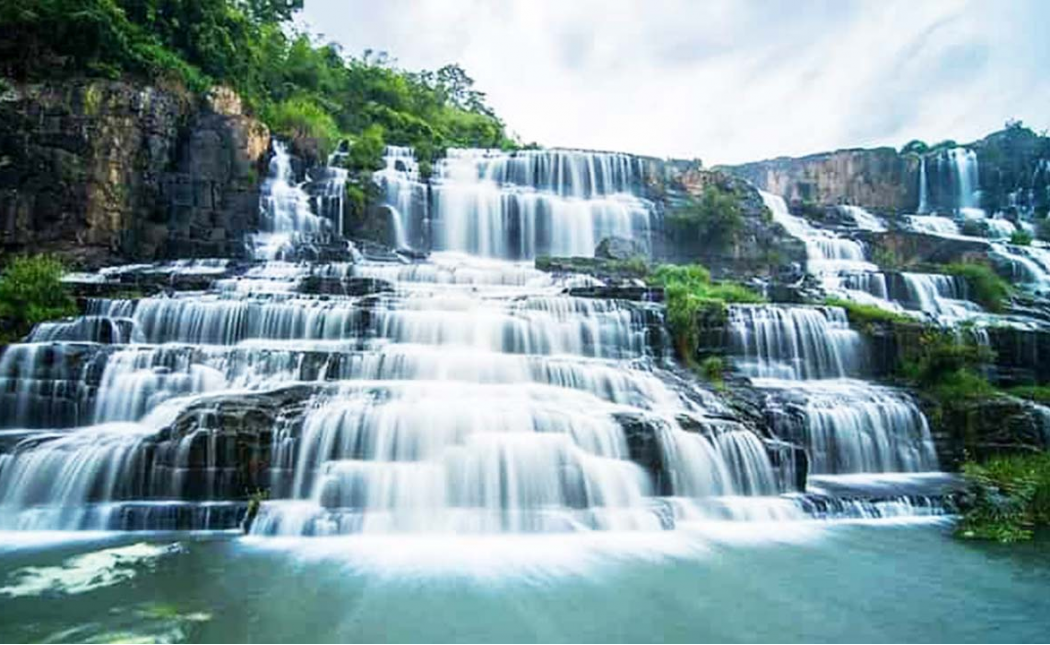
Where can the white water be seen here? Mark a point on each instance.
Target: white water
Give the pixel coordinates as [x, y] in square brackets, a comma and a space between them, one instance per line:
[517, 205]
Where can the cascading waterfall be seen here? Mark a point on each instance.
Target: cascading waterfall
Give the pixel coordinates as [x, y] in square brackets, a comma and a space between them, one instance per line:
[924, 200]
[517, 205]
[862, 219]
[405, 194]
[854, 427]
[460, 394]
[286, 219]
[806, 359]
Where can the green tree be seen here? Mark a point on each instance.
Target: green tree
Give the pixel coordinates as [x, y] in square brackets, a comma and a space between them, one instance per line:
[32, 291]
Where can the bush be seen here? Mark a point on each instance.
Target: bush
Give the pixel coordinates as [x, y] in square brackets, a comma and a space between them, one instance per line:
[915, 146]
[301, 118]
[867, 315]
[715, 218]
[688, 289]
[947, 367]
[1021, 237]
[32, 291]
[1005, 498]
[712, 369]
[987, 288]
[1038, 393]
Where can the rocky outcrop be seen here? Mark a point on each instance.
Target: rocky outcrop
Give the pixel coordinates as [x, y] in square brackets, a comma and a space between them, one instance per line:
[1013, 175]
[982, 428]
[105, 171]
[879, 178]
[752, 245]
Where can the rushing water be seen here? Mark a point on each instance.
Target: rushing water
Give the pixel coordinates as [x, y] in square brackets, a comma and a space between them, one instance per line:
[516, 205]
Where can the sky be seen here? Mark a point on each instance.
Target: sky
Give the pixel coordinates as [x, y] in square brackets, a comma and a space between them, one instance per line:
[725, 81]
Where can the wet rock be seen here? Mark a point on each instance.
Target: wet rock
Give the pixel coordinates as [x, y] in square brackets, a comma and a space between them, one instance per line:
[618, 248]
[982, 428]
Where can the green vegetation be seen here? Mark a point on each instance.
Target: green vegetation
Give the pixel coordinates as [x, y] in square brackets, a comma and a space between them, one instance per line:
[1037, 393]
[947, 367]
[1006, 498]
[866, 316]
[986, 287]
[714, 219]
[688, 291]
[31, 291]
[1021, 237]
[915, 146]
[712, 369]
[886, 259]
[301, 88]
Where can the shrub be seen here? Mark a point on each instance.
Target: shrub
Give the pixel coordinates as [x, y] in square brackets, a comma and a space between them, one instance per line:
[715, 218]
[32, 291]
[987, 288]
[867, 315]
[1005, 498]
[915, 146]
[1037, 393]
[1021, 237]
[688, 289]
[301, 118]
[712, 369]
[947, 367]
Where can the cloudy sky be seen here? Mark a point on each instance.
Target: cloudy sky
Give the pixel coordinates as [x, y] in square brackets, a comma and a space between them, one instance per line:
[724, 80]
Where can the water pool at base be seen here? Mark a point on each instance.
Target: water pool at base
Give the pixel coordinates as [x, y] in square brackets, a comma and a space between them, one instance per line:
[847, 582]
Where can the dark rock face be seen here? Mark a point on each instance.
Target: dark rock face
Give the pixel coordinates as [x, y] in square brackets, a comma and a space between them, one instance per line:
[879, 178]
[103, 171]
[618, 248]
[1014, 173]
[987, 427]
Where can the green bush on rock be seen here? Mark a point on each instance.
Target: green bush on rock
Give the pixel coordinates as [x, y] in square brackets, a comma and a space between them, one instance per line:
[947, 367]
[1005, 498]
[1021, 237]
[986, 287]
[715, 217]
[865, 316]
[688, 290]
[32, 291]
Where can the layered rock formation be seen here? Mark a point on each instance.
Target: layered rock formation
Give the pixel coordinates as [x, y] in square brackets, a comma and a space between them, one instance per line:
[105, 170]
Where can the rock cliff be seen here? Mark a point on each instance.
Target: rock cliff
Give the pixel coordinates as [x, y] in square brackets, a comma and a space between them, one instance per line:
[105, 171]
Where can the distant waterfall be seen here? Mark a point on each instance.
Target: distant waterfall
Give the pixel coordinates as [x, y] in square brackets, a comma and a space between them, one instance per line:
[924, 200]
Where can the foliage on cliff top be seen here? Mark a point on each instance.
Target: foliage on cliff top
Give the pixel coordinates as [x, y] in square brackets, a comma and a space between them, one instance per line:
[986, 287]
[299, 85]
[1005, 498]
[688, 289]
[32, 291]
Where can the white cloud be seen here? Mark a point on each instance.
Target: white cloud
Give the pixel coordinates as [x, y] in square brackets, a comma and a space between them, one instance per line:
[726, 81]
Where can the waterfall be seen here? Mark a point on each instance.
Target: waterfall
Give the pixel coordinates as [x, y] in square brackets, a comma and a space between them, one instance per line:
[941, 295]
[853, 427]
[964, 164]
[404, 194]
[862, 219]
[473, 395]
[924, 200]
[517, 205]
[286, 218]
[785, 342]
[934, 225]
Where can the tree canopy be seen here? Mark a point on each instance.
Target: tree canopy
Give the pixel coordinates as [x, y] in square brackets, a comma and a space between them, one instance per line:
[295, 84]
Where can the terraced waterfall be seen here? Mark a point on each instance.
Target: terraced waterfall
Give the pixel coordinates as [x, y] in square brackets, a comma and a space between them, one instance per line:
[468, 393]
